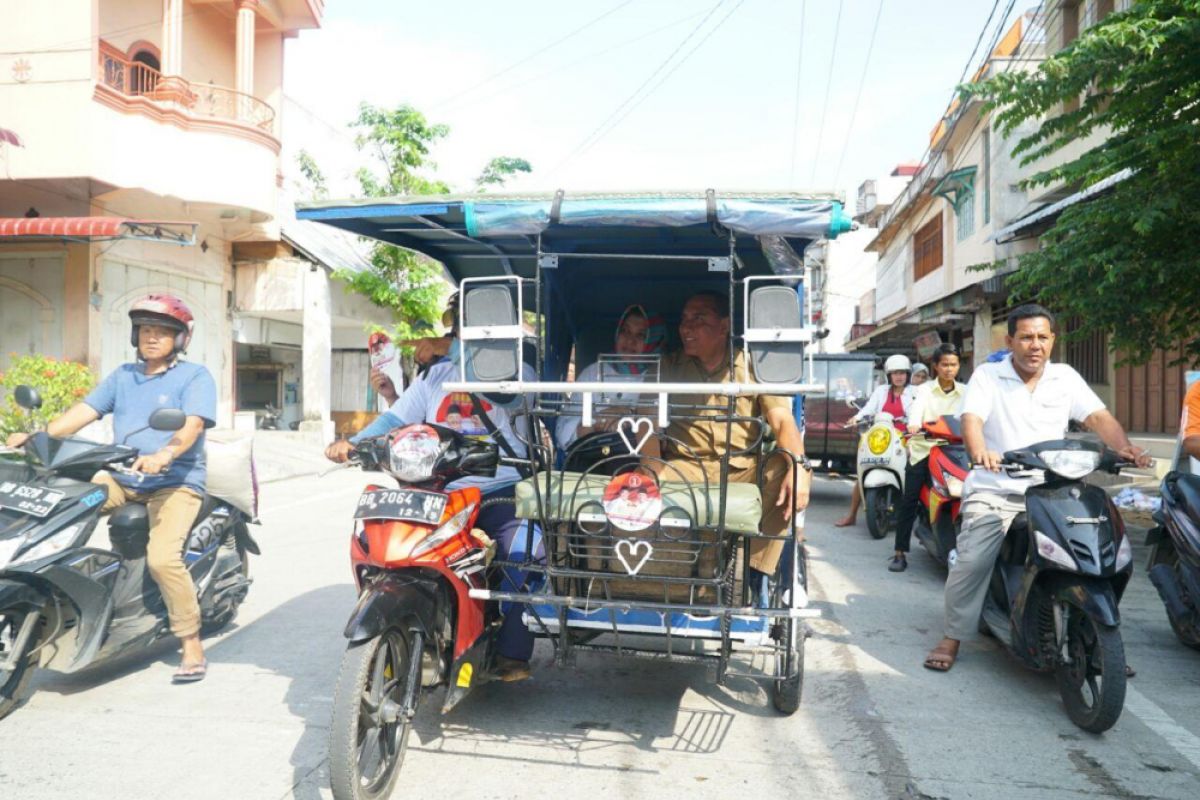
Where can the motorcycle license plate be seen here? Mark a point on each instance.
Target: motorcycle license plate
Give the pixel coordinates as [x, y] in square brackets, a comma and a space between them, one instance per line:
[37, 501]
[407, 505]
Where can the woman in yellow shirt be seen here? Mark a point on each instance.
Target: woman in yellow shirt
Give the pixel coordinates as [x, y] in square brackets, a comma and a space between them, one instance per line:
[942, 397]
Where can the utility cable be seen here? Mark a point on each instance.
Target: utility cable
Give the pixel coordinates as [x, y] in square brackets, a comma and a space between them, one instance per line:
[595, 134]
[862, 81]
[531, 56]
[816, 157]
[796, 99]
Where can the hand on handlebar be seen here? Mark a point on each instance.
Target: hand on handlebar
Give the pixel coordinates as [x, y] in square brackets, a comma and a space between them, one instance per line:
[1136, 456]
[339, 451]
[988, 459]
[15, 440]
[153, 464]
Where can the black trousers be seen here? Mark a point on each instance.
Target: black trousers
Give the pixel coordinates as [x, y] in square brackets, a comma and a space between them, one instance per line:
[915, 476]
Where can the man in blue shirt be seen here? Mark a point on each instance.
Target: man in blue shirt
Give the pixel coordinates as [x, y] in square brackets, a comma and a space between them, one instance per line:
[170, 471]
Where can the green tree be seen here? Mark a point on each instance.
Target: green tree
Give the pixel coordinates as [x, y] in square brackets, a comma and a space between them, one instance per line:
[1124, 261]
[313, 185]
[499, 170]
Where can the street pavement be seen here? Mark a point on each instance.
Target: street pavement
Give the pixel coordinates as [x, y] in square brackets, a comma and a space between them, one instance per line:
[873, 723]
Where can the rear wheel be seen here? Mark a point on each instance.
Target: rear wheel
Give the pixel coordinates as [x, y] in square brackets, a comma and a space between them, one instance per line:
[369, 732]
[1092, 685]
[789, 634]
[881, 510]
[13, 681]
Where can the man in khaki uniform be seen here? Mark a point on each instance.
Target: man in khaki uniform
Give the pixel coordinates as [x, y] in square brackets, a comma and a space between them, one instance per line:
[704, 358]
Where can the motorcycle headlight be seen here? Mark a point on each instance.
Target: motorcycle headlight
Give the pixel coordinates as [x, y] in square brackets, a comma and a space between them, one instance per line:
[1073, 464]
[878, 440]
[1051, 551]
[953, 485]
[413, 452]
[59, 540]
[8, 547]
[450, 528]
[1124, 552]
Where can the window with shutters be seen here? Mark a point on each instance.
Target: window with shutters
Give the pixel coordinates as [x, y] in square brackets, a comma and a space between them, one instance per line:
[927, 248]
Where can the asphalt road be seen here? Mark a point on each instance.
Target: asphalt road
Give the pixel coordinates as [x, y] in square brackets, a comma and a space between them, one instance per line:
[873, 723]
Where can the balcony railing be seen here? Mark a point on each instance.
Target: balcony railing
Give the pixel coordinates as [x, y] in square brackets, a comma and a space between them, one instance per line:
[135, 79]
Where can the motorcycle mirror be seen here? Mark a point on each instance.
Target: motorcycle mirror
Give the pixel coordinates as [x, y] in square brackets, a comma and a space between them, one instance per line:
[27, 397]
[168, 419]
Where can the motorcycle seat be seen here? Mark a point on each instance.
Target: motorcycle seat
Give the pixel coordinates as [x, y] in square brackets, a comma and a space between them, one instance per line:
[129, 525]
[570, 491]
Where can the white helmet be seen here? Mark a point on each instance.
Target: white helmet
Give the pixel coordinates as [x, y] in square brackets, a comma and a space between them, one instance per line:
[897, 363]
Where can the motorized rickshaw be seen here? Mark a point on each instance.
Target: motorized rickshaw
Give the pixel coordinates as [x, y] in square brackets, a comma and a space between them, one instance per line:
[635, 559]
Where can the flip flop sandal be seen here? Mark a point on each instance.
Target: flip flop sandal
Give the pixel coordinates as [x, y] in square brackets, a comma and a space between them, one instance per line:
[940, 659]
[192, 672]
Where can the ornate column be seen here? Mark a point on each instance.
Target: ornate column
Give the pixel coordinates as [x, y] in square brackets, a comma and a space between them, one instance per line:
[172, 37]
[246, 14]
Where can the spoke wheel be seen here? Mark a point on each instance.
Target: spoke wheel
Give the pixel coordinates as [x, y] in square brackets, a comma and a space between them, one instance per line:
[370, 730]
[13, 681]
[1092, 684]
[881, 510]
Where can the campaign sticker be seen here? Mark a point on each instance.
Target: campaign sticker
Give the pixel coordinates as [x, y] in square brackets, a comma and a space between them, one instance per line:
[632, 501]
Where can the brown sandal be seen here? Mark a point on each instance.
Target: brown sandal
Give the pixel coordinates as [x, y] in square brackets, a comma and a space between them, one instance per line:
[941, 658]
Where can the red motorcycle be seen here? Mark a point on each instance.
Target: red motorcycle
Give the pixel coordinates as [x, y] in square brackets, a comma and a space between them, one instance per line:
[416, 556]
[938, 521]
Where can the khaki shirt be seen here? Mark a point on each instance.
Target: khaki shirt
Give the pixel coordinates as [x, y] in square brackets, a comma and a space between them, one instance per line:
[707, 440]
[931, 403]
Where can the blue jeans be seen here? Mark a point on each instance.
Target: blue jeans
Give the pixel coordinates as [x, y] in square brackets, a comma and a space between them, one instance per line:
[500, 523]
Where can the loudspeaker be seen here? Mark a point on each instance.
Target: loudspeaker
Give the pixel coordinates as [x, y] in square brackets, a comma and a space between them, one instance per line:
[775, 308]
[491, 359]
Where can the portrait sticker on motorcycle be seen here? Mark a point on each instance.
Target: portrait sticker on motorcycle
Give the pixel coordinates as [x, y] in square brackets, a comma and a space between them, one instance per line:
[386, 359]
[632, 501]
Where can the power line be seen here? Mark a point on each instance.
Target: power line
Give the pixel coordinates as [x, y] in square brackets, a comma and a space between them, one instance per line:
[561, 68]
[531, 56]
[597, 133]
[837, 27]
[667, 75]
[796, 99]
[862, 81]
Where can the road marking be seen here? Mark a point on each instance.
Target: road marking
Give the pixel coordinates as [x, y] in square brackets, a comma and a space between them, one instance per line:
[1184, 742]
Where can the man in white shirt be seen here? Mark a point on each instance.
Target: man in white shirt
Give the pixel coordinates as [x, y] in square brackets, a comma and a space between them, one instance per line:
[1014, 403]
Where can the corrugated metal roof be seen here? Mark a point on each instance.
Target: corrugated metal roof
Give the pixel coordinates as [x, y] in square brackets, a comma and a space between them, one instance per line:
[330, 247]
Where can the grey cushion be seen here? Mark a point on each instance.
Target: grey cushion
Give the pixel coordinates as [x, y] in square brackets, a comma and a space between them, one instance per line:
[571, 490]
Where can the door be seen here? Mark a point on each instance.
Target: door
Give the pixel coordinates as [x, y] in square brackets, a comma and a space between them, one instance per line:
[1150, 396]
[31, 298]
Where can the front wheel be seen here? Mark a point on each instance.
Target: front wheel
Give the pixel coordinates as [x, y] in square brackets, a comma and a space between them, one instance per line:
[1092, 684]
[881, 510]
[18, 637]
[789, 634]
[369, 732]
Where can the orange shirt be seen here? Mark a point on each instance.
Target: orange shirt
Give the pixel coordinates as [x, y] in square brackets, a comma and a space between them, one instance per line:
[1191, 404]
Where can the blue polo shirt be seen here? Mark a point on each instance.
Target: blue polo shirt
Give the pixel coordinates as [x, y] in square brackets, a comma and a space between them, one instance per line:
[131, 396]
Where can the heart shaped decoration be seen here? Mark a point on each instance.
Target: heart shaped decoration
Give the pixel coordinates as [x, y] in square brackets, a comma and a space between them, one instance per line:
[635, 425]
[634, 547]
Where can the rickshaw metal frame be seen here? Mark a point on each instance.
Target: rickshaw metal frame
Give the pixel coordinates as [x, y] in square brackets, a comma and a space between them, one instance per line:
[567, 639]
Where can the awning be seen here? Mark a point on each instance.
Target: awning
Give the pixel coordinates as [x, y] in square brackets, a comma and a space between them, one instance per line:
[1053, 210]
[97, 228]
[956, 186]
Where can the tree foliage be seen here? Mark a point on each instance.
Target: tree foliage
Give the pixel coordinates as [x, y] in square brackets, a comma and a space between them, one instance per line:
[1124, 261]
[499, 170]
[313, 185]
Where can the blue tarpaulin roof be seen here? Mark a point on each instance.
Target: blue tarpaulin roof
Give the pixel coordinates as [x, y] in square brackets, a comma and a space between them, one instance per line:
[482, 235]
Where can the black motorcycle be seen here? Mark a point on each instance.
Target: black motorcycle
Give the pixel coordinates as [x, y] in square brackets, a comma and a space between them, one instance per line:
[1062, 569]
[66, 605]
[1175, 554]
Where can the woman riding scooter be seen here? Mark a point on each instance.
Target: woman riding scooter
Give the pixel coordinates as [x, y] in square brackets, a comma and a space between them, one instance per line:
[894, 397]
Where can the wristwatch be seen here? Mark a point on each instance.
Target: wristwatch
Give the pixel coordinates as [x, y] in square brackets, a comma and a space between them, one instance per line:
[803, 461]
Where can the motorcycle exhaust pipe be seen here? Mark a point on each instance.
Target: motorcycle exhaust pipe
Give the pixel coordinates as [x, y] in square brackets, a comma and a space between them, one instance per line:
[1163, 578]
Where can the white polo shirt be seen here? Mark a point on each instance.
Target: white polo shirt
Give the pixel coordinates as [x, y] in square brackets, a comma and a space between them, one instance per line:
[1014, 417]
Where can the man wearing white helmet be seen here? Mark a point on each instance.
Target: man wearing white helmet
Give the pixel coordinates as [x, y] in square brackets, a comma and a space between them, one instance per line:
[894, 397]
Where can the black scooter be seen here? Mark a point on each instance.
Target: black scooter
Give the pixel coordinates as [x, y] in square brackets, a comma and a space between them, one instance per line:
[1175, 554]
[1059, 577]
[66, 605]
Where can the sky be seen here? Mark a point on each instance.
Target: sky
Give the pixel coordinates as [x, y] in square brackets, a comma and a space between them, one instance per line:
[639, 94]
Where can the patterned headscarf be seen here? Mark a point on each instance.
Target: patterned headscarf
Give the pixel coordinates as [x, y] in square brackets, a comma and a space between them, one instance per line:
[656, 336]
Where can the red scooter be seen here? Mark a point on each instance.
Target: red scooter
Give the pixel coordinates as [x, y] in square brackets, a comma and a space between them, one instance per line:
[938, 521]
[415, 556]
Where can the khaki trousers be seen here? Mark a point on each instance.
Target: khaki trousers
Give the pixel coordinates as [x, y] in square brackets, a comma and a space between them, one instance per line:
[764, 553]
[172, 512]
[986, 518]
